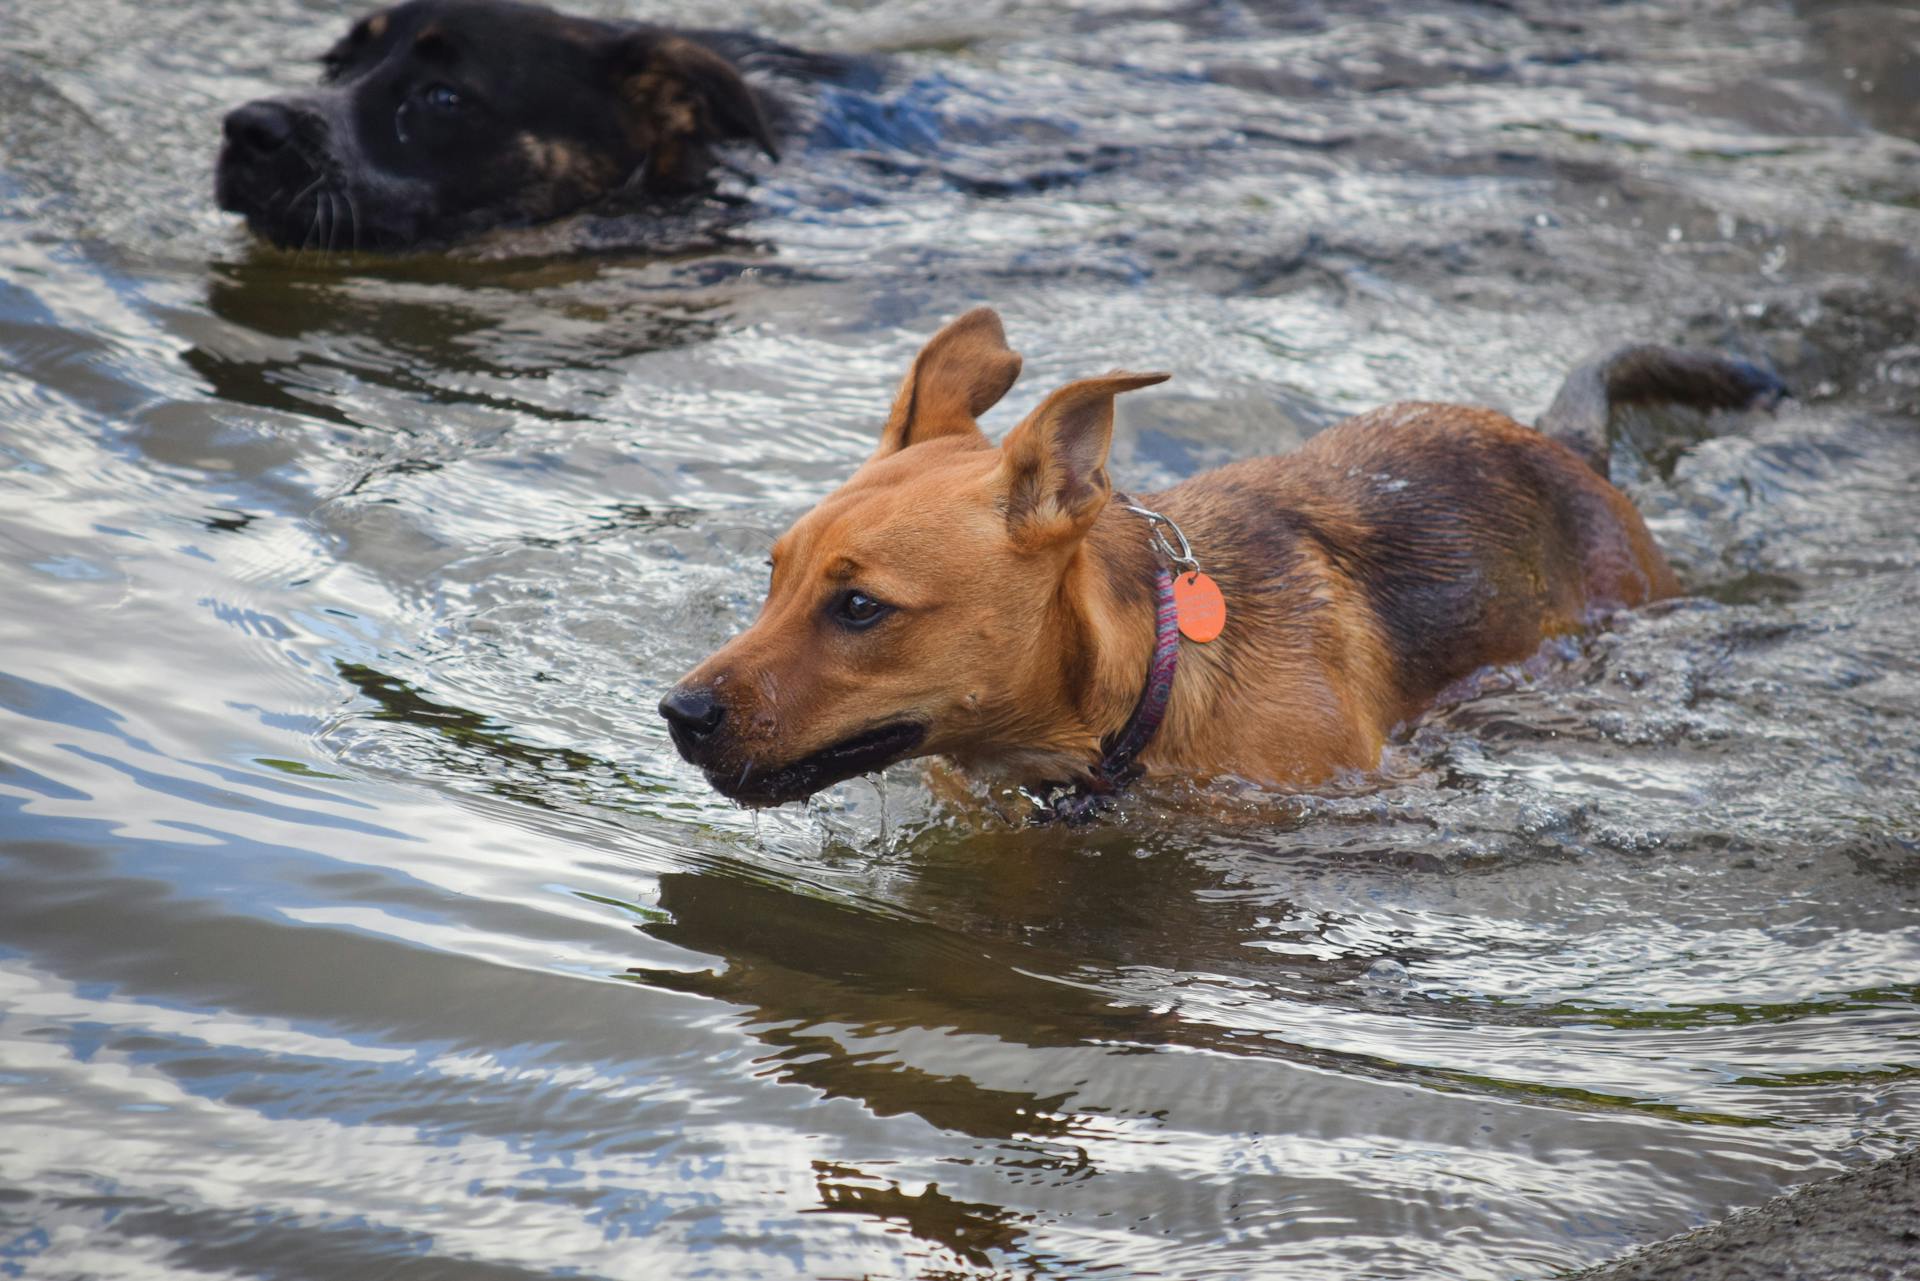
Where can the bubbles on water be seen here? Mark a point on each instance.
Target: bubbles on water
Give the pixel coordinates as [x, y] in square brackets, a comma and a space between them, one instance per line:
[1386, 977]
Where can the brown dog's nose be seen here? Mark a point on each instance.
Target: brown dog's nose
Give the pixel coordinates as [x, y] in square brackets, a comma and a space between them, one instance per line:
[692, 716]
[263, 127]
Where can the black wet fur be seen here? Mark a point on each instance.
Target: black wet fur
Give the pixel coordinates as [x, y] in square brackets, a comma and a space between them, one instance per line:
[1645, 375]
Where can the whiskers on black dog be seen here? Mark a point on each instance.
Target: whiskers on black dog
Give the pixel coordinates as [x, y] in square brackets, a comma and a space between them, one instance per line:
[333, 221]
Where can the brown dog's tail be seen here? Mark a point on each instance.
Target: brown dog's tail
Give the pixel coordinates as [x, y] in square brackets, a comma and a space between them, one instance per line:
[1582, 415]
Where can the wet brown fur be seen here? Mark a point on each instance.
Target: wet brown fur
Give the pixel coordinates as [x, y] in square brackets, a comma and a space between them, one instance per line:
[1393, 554]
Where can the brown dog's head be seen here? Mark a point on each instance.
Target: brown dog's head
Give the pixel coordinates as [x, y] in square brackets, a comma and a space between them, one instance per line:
[925, 606]
[440, 118]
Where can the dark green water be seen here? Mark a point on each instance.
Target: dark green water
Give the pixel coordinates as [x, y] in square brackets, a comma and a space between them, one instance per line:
[357, 919]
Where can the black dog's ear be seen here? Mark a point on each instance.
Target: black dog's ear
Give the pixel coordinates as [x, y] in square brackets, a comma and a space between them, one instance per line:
[689, 94]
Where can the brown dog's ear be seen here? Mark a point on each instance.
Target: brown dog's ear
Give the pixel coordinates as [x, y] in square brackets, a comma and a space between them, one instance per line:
[1054, 465]
[961, 373]
[686, 96]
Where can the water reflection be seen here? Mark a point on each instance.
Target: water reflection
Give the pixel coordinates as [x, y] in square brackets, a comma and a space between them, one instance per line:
[975, 1235]
[476, 335]
[358, 918]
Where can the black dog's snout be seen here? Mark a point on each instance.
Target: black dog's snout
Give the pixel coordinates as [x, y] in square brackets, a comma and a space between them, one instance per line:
[692, 714]
[262, 127]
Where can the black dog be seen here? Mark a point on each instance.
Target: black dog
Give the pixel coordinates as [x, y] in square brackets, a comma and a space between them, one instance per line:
[437, 119]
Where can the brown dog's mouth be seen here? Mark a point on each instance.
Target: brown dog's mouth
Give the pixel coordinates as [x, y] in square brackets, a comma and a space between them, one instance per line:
[861, 754]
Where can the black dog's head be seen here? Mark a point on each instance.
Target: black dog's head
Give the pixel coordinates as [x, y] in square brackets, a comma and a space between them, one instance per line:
[440, 118]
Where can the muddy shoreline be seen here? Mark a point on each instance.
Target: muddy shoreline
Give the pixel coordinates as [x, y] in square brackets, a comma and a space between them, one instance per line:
[1863, 1225]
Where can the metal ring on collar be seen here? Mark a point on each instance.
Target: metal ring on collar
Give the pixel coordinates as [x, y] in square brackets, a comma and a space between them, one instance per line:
[1182, 557]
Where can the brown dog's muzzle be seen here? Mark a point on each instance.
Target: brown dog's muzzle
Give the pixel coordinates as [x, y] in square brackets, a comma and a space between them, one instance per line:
[697, 721]
[693, 715]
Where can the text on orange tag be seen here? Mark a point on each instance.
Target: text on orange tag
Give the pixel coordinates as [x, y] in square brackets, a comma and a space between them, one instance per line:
[1200, 607]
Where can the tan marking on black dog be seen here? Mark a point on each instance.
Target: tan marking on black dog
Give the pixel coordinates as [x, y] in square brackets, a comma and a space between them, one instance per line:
[682, 96]
[560, 161]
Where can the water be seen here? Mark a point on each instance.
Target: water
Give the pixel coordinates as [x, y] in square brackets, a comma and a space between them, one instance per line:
[357, 918]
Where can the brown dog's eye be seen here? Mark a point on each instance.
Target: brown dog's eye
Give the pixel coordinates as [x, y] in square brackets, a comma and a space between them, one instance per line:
[858, 610]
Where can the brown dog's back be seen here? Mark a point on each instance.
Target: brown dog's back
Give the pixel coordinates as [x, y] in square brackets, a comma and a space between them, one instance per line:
[1392, 555]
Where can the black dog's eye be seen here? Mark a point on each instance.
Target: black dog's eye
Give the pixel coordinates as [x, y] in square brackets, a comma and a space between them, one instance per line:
[858, 610]
[443, 98]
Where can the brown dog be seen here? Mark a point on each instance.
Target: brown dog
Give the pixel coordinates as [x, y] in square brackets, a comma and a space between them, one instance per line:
[998, 606]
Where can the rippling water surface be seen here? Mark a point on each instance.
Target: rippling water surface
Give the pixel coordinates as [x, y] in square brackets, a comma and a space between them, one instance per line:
[356, 918]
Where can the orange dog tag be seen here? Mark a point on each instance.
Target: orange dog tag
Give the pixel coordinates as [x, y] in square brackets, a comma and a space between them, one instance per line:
[1201, 608]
